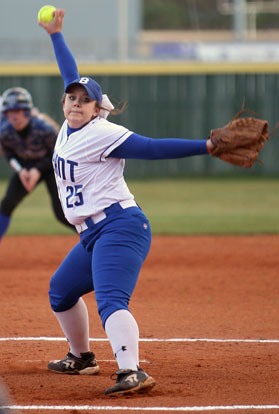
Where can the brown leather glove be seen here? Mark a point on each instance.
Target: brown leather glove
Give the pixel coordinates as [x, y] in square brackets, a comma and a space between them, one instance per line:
[240, 141]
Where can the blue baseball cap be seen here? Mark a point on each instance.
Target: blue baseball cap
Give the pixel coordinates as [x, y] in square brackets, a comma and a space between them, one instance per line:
[92, 88]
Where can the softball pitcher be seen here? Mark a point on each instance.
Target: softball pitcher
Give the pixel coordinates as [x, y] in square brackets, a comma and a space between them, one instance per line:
[115, 234]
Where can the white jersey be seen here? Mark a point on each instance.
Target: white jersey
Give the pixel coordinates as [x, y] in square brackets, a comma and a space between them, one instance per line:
[87, 180]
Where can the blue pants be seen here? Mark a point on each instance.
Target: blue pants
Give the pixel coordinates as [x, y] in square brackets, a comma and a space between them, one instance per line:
[107, 259]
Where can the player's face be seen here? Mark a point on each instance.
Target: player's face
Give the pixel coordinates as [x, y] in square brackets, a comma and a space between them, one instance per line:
[78, 108]
[18, 118]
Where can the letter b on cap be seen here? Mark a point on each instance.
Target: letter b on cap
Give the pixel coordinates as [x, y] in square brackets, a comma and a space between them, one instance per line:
[84, 80]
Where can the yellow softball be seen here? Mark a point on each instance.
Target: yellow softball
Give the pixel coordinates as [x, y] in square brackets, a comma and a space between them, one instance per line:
[45, 14]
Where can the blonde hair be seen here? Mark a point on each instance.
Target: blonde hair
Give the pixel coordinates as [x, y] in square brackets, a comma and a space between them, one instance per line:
[116, 110]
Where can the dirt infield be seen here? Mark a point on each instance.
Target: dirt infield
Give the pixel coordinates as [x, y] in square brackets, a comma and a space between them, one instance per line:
[199, 288]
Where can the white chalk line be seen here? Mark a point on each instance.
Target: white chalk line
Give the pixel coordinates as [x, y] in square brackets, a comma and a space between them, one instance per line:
[158, 409]
[49, 338]
[99, 360]
[162, 409]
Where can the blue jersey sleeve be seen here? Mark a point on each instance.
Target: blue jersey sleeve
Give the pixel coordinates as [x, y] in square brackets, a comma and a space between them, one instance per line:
[144, 148]
[65, 60]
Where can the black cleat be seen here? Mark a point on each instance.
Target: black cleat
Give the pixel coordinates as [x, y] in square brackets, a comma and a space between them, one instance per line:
[86, 365]
[129, 382]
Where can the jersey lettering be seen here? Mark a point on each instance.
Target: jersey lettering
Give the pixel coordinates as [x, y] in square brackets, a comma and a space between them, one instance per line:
[72, 166]
[54, 162]
[65, 169]
[61, 167]
[74, 197]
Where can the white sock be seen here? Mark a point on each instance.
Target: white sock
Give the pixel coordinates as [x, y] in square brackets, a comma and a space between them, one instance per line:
[123, 334]
[75, 325]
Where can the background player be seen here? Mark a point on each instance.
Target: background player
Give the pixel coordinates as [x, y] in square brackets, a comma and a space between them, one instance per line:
[115, 234]
[27, 140]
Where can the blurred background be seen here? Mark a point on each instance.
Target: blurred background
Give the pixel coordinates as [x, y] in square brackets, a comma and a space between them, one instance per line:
[183, 66]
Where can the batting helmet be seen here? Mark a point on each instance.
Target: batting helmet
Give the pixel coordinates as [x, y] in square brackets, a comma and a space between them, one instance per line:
[16, 98]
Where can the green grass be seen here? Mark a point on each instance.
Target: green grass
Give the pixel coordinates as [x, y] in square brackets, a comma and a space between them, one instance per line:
[34, 215]
[210, 206]
[177, 206]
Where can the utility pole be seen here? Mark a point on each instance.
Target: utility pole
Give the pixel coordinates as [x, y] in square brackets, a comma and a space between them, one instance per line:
[239, 19]
[123, 42]
[245, 14]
